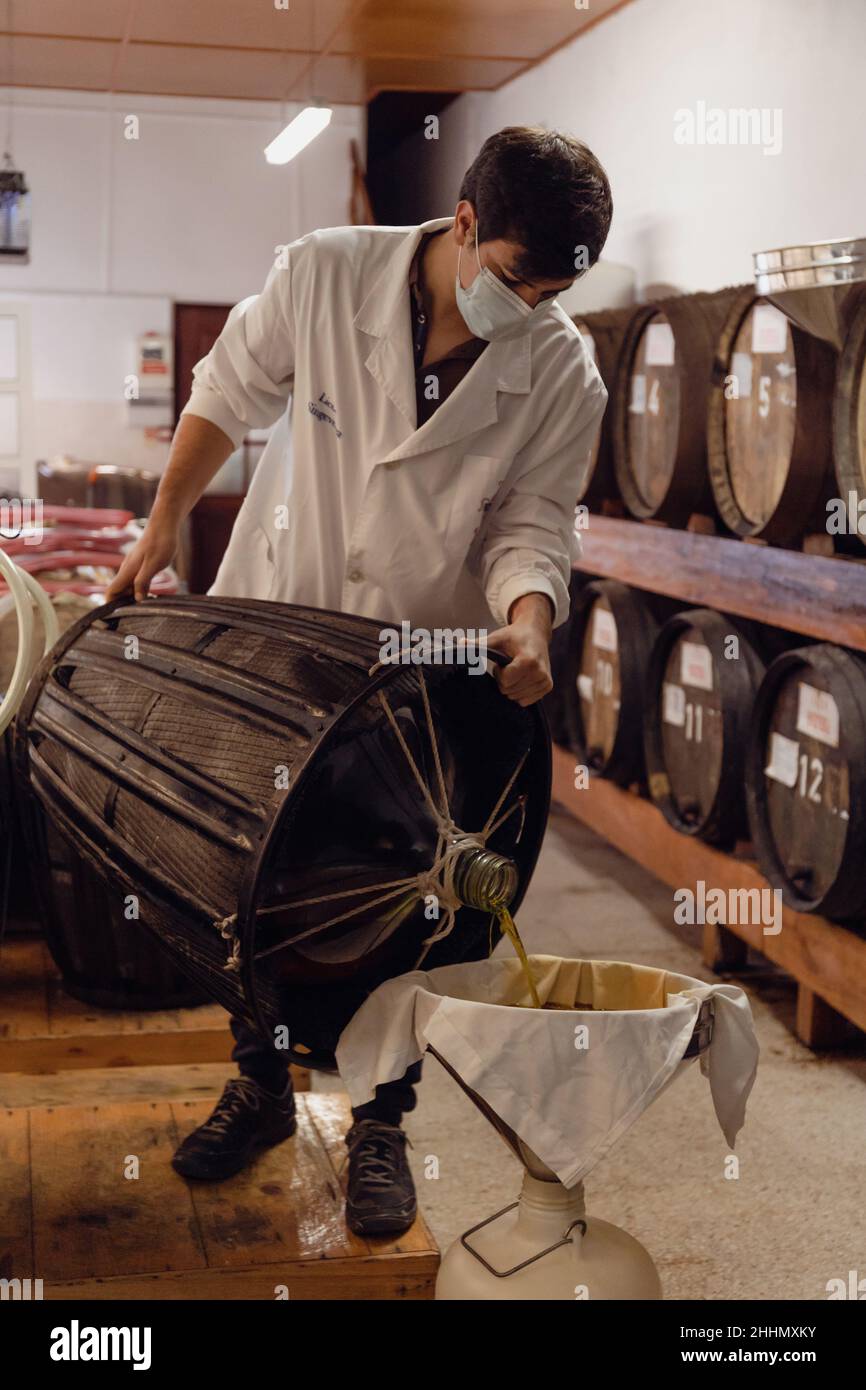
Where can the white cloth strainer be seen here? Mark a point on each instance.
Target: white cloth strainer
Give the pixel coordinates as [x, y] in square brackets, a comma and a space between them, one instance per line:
[568, 1081]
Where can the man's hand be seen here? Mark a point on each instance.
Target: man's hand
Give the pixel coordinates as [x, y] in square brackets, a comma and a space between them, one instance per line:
[526, 640]
[152, 553]
[198, 451]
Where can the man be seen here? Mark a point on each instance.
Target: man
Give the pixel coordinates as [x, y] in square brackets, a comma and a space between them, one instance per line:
[444, 409]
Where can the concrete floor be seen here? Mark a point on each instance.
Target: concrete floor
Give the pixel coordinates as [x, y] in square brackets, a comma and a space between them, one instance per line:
[794, 1218]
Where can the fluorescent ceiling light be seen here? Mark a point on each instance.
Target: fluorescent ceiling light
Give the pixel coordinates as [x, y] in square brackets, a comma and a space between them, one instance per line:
[298, 133]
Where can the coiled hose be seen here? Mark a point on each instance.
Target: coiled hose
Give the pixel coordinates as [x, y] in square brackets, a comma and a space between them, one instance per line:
[25, 592]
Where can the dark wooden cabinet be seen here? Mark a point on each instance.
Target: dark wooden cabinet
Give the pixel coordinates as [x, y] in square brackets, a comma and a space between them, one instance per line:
[196, 329]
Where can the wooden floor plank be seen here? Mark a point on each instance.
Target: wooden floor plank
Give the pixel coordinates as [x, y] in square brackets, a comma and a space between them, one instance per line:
[16, 1236]
[411, 1277]
[280, 1226]
[332, 1118]
[23, 990]
[286, 1206]
[114, 1085]
[92, 1221]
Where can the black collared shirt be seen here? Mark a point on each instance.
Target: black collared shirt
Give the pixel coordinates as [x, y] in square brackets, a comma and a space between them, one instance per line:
[435, 382]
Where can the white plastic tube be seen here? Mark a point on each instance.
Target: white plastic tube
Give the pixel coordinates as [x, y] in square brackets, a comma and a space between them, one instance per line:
[25, 591]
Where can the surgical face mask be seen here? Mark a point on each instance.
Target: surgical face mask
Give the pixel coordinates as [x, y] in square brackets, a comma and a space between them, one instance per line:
[489, 308]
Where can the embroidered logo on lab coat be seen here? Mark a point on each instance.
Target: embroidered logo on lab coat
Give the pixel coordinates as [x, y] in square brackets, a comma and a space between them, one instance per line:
[320, 410]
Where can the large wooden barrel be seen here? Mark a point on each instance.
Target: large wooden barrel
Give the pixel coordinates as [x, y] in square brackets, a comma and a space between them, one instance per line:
[604, 685]
[703, 677]
[806, 779]
[603, 332]
[849, 416]
[659, 424]
[102, 955]
[769, 425]
[284, 800]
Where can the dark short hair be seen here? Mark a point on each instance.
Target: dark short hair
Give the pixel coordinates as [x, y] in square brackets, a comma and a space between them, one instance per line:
[546, 192]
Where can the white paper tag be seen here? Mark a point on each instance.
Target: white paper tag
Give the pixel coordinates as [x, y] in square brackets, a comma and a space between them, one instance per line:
[818, 715]
[741, 369]
[673, 704]
[584, 686]
[696, 665]
[637, 404]
[589, 342]
[783, 764]
[603, 629]
[769, 329]
[659, 345]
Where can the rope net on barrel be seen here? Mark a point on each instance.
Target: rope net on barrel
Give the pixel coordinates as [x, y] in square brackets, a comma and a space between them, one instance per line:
[437, 881]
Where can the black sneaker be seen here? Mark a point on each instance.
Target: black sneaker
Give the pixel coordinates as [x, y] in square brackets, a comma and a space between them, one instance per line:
[246, 1120]
[381, 1196]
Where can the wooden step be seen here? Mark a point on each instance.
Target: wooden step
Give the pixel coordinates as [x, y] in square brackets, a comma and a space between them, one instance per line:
[44, 1030]
[71, 1216]
[115, 1085]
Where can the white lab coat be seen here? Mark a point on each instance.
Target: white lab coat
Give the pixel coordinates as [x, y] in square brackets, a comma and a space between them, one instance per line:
[443, 526]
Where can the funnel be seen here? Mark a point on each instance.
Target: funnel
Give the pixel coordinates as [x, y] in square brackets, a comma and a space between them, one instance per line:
[560, 1085]
[815, 285]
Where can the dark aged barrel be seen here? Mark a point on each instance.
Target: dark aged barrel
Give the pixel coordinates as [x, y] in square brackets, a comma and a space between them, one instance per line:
[101, 956]
[659, 424]
[769, 425]
[603, 332]
[806, 779]
[605, 676]
[294, 818]
[849, 418]
[703, 677]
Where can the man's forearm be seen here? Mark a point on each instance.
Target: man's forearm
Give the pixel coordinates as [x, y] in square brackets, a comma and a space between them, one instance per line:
[534, 608]
[198, 451]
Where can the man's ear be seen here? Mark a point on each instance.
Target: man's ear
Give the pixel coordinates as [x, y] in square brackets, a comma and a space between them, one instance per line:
[465, 223]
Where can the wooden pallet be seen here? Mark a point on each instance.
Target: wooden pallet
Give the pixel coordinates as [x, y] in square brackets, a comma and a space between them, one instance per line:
[43, 1029]
[827, 960]
[70, 1216]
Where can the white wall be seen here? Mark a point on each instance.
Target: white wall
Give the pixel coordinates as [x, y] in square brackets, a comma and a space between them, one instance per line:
[189, 211]
[691, 216]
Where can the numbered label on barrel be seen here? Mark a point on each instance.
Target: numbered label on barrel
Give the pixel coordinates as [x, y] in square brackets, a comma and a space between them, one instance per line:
[760, 411]
[691, 733]
[598, 683]
[807, 784]
[654, 412]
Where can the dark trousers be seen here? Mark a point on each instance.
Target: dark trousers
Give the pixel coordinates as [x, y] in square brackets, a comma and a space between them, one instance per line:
[261, 1062]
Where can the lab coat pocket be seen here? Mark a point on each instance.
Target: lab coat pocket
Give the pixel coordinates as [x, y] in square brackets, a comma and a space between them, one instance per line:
[478, 480]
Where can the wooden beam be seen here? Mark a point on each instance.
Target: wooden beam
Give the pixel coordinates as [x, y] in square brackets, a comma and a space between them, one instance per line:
[810, 594]
[823, 956]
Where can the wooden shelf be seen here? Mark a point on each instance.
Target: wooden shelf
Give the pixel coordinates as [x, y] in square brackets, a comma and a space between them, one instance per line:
[828, 961]
[811, 594]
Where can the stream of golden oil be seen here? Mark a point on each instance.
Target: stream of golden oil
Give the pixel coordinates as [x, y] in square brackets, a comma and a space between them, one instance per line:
[509, 927]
